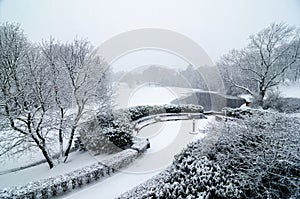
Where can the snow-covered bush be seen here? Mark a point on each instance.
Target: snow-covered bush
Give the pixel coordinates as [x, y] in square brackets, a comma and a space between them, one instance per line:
[138, 112]
[274, 100]
[121, 159]
[257, 157]
[78, 145]
[237, 113]
[54, 186]
[107, 133]
[263, 153]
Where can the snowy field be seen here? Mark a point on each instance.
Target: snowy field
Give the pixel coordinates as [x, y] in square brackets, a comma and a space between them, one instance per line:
[77, 160]
[146, 94]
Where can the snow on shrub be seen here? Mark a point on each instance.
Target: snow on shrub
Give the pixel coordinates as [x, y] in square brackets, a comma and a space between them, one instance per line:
[54, 186]
[120, 159]
[237, 113]
[254, 157]
[107, 133]
[138, 112]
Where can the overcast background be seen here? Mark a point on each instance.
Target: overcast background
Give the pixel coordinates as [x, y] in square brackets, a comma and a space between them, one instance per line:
[216, 25]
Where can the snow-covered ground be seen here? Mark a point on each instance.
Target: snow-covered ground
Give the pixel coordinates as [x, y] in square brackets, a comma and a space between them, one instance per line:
[147, 94]
[76, 160]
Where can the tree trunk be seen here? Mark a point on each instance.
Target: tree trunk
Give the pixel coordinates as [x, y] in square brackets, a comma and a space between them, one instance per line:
[261, 97]
[44, 151]
[69, 144]
[47, 157]
[60, 134]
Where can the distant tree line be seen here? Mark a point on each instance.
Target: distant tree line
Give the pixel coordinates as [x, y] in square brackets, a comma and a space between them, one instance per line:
[191, 77]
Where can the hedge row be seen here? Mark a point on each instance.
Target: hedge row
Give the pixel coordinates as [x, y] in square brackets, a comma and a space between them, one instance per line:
[59, 185]
[138, 112]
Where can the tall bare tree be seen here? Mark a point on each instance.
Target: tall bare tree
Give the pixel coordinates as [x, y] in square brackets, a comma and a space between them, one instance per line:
[260, 66]
[71, 65]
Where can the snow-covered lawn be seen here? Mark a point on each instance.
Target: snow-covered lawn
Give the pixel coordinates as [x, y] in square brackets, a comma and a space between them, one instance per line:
[146, 94]
[77, 160]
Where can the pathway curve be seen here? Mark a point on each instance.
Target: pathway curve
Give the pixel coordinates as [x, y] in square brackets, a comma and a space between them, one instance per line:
[166, 140]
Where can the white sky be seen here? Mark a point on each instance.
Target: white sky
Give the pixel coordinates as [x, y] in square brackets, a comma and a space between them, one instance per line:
[216, 25]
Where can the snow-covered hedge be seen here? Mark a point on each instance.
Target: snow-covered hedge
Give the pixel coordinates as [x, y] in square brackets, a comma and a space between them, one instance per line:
[257, 157]
[121, 159]
[237, 113]
[58, 185]
[138, 112]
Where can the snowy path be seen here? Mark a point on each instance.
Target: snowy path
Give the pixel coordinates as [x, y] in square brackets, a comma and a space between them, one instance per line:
[166, 140]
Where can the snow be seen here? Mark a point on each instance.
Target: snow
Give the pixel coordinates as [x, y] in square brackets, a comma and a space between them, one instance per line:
[166, 140]
[7, 163]
[111, 187]
[146, 94]
[247, 97]
[77, 160]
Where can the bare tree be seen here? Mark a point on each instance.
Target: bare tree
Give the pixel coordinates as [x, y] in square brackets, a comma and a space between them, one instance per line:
[260, 66]
[46, 90]
[24, 95]
[85, 70]
[61, 89]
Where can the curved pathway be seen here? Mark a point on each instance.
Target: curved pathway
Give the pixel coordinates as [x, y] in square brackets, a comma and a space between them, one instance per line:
[166, 139]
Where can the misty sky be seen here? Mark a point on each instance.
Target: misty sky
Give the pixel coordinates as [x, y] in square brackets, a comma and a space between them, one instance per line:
[216, 25]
